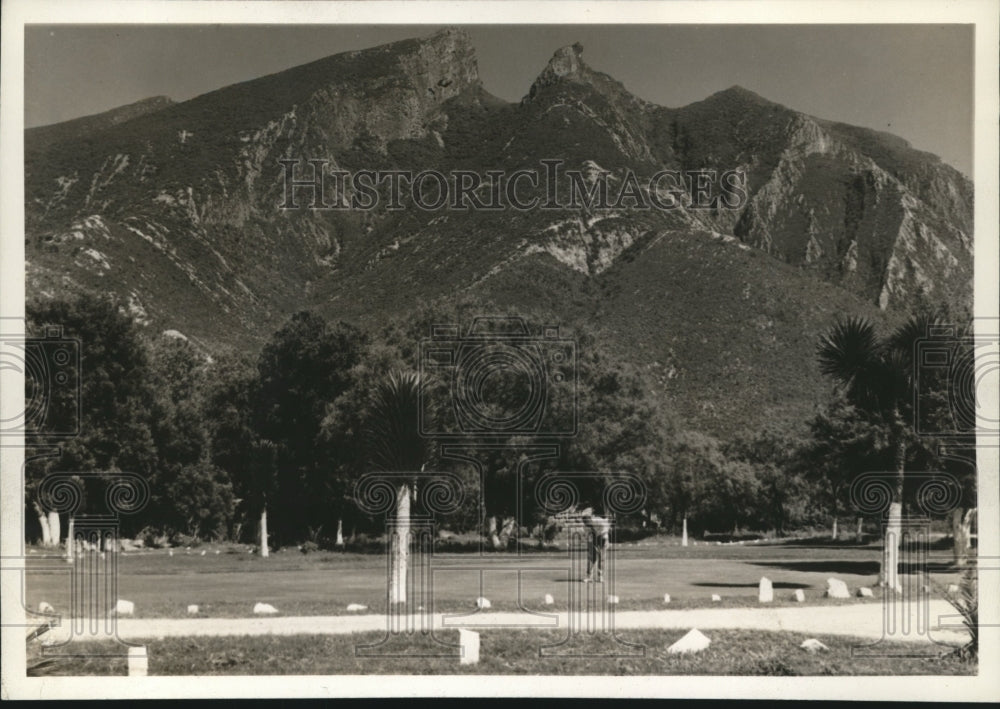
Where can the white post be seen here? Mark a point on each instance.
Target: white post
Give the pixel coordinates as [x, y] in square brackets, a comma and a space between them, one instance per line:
[138, 662]
[340, 532]
[469, 642]
[684, 532]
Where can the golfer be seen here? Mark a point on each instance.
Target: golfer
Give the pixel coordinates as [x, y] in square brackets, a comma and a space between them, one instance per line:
[598, 540]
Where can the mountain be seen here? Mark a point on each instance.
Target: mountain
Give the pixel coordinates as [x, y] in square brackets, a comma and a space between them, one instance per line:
[179, 211]
[86, 125]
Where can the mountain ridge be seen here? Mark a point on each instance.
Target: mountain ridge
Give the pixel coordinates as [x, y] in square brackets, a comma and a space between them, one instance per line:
[178, 212]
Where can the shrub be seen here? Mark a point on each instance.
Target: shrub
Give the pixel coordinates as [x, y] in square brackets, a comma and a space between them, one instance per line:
[966, 602]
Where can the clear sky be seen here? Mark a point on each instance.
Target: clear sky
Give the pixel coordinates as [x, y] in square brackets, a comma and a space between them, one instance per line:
[912, 80]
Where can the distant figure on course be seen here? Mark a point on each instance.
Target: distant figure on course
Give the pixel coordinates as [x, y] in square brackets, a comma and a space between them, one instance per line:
[598, 540]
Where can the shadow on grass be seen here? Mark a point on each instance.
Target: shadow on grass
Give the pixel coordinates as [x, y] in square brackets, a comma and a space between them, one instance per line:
[858, 568]
[868, 542]
[824, 543]
[775, 584]
[825, 566]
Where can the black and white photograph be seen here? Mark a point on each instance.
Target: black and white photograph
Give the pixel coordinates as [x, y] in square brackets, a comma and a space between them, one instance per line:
[398, 349]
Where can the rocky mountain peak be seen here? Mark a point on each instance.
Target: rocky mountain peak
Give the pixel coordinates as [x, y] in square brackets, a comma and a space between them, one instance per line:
[565, 65]
[567, 61]
[451, 49]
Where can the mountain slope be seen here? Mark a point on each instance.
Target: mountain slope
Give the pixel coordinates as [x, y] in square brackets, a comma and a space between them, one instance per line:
[179, 211]
[77, 128]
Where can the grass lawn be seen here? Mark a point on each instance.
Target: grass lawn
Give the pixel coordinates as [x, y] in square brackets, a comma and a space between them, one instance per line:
[228, 584]
[512, 651]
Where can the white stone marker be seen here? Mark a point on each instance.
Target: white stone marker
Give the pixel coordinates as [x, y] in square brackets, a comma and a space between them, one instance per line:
[694, 641]
[124, 607]
[835, 588]
[549, 600]
[799, 595]
[44, 607]
[356, 607]
[716, 598]
[865, 592]
[138, 661]
[193, 609]
[483, 603]
[666, 598]
[766, 592]
[813, 645]
[613, 600]
[264, 608]
[203, 552]
[470, 647]
[170, 552]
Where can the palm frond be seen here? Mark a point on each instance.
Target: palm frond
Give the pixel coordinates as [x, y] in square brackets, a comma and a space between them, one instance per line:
[394, 425]
[849, 353]
[916, 328]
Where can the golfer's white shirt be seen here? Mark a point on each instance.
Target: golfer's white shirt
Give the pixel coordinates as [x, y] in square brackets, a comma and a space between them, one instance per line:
[600, 527]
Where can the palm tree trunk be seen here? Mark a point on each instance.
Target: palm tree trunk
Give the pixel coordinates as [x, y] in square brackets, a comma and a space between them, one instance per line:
[43, 522]
[399, 546]
[264, 551]
[491, 531]
[893, 533]
[860, 531]
[960, 532]
[55, 531]
[71, 539]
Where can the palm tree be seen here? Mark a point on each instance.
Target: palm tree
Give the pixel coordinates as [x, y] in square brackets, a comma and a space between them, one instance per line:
[398, 446]
[877, 377]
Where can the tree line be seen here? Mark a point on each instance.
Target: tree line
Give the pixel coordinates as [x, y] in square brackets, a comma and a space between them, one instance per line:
[237, 440]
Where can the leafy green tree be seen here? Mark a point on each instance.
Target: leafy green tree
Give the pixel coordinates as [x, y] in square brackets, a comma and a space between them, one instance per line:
[695, 460]
[843, 445]
[236, 448]
[116, 391]
[202, 500]
[304, 368]
[780, 491]
[192, 496]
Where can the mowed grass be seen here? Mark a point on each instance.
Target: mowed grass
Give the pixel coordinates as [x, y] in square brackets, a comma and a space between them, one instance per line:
[519, 652]
[228, 584]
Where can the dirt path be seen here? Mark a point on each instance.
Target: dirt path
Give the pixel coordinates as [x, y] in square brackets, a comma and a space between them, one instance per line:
[863, 620]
